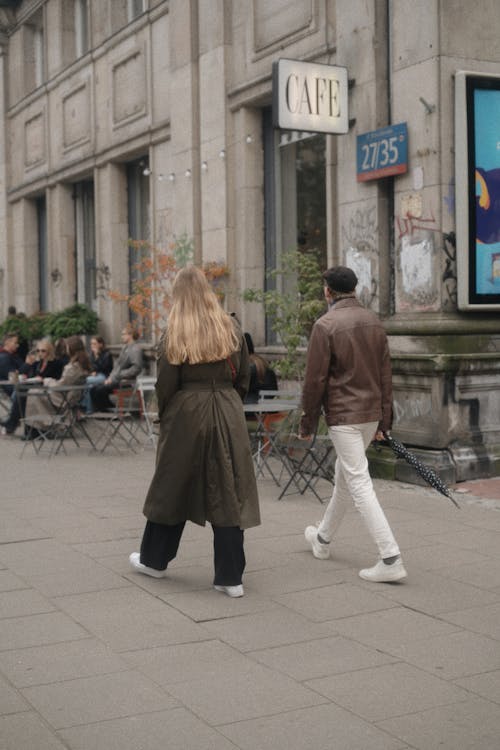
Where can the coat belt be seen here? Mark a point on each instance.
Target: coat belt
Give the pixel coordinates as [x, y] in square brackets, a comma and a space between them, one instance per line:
[212, 385]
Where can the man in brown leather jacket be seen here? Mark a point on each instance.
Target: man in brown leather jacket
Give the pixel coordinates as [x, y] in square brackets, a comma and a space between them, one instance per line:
[348, 375]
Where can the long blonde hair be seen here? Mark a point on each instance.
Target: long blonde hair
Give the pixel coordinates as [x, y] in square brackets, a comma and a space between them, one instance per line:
[198, 329]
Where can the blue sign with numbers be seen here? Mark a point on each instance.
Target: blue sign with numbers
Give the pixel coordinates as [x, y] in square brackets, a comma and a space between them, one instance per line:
[383, 152]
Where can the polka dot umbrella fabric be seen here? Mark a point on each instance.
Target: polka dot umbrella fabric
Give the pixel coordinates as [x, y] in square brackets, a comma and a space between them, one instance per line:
[426, 472]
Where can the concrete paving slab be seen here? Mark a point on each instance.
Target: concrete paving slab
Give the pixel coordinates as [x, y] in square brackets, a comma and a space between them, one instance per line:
[332, 602]
[27, 731]
[143, 621]
[321, 657]
[267, 629]
[322, 727]
[41, 665]
[243, 694]
[453, 655]
[205, 605]
[177, 729]
[109, 621]
[377, 693]
[36, 630]
[473, 724]
[98, 698]
[45, 556]
[485, 620]
[109, 548]
[15, 529]
[441, 557]
[23, 602]
[474, 539]
[187, 662]
[393, 627]
[11, 582]
[11, 701]
[486, 685]
[434, 594]
[299, 577]
[77, 580]
[485, 574]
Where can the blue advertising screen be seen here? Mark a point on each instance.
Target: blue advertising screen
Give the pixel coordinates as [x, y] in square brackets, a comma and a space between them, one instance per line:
[484, 188]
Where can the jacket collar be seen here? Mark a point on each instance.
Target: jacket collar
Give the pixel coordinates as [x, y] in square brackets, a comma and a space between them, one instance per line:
[346, 302]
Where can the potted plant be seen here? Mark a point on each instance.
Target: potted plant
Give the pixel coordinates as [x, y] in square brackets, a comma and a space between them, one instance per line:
[293, 303]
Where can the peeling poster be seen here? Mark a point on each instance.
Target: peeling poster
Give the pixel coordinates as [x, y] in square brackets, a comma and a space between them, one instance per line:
[416, 266]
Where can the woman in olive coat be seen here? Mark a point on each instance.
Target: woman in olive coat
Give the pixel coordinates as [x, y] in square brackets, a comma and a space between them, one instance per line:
[204, 468]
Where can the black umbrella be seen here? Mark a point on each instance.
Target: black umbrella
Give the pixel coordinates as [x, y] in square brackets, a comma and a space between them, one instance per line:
[428, 474]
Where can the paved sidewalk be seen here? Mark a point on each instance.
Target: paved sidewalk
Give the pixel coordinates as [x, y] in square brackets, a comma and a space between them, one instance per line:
[95, 657]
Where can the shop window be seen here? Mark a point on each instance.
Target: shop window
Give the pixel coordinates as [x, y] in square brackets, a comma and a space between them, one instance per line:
[124, 11]
[43, 261]
[85, 243]
[34, 52]
[295, 197]
[135, 8]
[81, 27]
[74, 29]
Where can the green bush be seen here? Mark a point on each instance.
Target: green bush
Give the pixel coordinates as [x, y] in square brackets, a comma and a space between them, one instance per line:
[72, 321]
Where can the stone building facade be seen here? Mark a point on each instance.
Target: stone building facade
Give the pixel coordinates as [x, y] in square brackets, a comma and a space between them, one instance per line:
[151, 118]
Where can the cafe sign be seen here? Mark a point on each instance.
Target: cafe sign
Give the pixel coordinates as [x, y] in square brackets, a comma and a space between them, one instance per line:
[310, 96]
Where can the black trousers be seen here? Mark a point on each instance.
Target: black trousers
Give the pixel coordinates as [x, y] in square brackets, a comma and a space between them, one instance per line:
[160, 544]
[100, 396]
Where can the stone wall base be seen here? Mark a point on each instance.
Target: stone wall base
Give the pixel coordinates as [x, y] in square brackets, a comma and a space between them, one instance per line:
[453, 464]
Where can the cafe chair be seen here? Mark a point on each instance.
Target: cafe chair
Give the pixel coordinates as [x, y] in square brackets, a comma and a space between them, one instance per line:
[308, 462]
[117, 427]
[148, 408]
[53, 429]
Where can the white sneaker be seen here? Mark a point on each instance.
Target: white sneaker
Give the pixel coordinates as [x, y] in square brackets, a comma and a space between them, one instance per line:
[233, 591]
[135, 564]
[319, 550]
[382, 573]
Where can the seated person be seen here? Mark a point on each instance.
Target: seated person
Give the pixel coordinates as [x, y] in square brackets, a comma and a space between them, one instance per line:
[43, 404]
[9, 359]
[101, 362]
[10, 362]
[45, 366]
[48, 365]
[262, 376]
[61, 352]
[27, 369]
[127, 367]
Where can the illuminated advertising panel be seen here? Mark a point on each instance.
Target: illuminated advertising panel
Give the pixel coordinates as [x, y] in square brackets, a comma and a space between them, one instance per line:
[477, 166]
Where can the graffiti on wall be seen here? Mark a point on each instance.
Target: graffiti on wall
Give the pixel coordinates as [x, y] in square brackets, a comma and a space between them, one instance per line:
[360, 237]
[449, 278]
[408, 407]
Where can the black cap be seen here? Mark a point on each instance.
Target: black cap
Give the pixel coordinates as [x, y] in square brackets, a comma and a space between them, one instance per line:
[341, 279]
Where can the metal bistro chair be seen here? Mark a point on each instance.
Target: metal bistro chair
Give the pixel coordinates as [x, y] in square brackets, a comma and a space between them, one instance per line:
[56, 427]
[148, 407]
[307, 462]
[117, 427]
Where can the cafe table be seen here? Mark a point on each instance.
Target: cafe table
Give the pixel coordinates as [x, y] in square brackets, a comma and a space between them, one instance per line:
[264, 437]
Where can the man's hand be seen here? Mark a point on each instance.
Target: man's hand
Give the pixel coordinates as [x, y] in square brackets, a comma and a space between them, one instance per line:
[379, 436]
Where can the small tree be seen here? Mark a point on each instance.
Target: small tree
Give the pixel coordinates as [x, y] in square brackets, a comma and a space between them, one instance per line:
[293, 304]
[155, 269]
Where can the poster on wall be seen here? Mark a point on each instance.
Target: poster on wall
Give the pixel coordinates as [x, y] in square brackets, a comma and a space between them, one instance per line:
[477, 161]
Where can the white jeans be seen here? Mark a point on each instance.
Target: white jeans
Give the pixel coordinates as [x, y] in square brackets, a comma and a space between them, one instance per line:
[353, 481]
